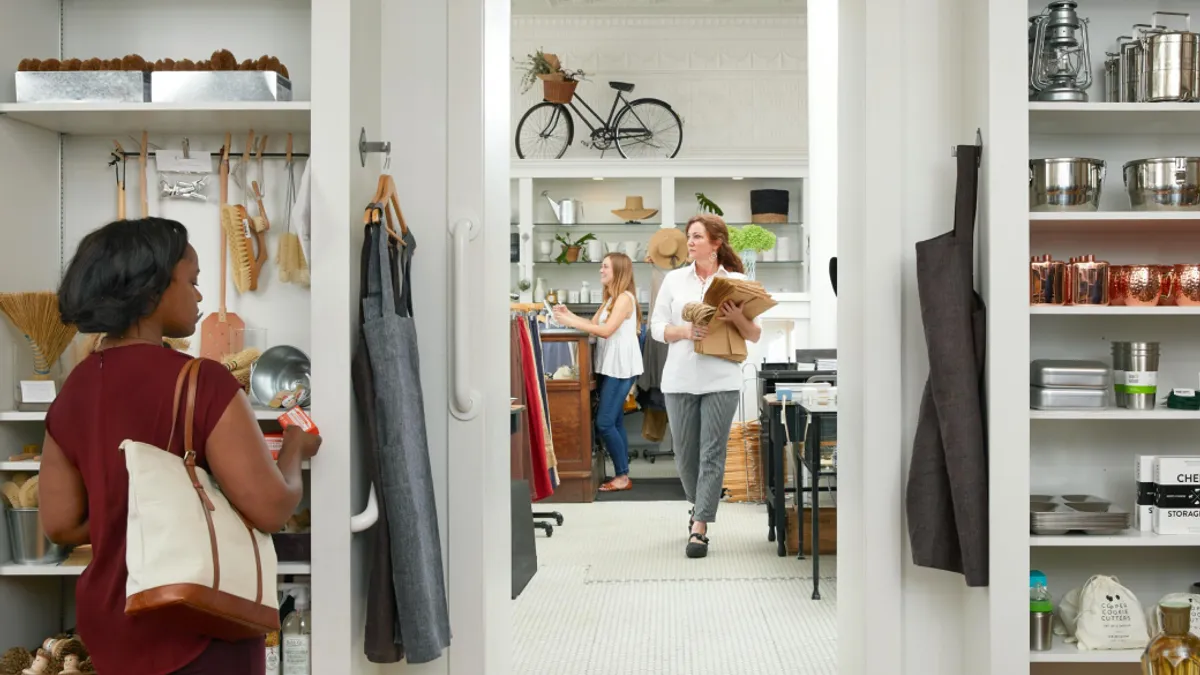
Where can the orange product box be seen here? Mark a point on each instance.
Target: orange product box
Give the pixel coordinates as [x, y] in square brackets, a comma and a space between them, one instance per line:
[274, 444]
[301, 419]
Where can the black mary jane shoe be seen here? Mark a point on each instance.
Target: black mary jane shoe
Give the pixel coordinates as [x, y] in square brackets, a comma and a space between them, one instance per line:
[697, 546]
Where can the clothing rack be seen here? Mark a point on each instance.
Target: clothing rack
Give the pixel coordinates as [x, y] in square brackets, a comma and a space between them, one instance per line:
[536, 311]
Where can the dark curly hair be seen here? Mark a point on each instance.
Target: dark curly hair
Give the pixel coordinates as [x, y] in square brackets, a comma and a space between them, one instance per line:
[119, 273]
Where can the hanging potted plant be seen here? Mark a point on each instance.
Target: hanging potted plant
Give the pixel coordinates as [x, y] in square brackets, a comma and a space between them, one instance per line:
[749, 241]
[558, 84]
[571, 247]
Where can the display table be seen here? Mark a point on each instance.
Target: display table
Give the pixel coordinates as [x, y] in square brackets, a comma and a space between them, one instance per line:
[795, 416]
[580, 471]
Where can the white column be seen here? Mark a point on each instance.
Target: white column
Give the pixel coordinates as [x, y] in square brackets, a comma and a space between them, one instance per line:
[819, 200]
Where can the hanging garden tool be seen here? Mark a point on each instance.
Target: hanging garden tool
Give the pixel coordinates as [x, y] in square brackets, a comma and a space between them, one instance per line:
[224, 332]
[289, 259]
[118, 162]
[261, 225]
[142, 174]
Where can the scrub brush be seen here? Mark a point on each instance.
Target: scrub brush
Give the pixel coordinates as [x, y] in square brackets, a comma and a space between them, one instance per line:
[237, 225]
[239, 364]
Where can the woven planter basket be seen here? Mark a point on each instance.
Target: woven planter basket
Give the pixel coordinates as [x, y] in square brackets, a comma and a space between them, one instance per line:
[558, 91]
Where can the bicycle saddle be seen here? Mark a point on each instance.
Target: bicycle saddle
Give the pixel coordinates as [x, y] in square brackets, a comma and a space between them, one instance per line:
[621, 86]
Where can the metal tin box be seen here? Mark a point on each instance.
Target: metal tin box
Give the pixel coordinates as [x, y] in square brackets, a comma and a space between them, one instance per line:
[1055, 373]
[1085, 514]
[1067, 398]
[218, 86]
[109, 86]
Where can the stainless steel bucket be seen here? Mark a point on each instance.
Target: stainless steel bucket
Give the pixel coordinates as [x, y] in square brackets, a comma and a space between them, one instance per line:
[1135, 374]
[1171, 67]
[1163, 183]
[28, 540]
[1065, 184]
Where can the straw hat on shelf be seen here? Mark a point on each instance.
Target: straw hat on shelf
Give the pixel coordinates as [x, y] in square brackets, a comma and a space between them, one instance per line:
[634, 210]
[667, 248]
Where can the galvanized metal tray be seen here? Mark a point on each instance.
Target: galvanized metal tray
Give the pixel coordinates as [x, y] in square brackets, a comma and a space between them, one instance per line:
[218, 86]
[82, 86]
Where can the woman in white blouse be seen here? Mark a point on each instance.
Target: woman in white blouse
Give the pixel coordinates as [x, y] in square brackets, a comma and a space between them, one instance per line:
[618, 358]
[701, 391]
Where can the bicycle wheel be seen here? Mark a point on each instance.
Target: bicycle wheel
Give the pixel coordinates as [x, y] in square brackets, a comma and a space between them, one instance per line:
[545, 131]
[648, 129]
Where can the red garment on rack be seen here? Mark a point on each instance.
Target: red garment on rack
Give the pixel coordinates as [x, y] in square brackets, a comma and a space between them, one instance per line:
[539, 482]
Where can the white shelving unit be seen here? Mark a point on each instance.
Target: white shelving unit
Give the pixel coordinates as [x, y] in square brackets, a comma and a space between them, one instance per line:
[55, 186]
[1064, 452]
[666, 185]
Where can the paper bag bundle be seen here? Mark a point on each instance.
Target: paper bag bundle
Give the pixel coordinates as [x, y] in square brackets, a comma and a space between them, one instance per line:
[723, 340]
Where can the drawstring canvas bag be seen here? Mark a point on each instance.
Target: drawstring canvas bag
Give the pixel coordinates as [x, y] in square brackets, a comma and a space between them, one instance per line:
[1108, 616]
[193, 560]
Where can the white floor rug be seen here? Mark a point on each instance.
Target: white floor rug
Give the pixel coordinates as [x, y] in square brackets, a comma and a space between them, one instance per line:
[614, 595]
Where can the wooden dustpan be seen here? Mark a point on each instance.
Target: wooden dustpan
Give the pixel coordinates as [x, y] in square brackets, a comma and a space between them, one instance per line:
[223, 332]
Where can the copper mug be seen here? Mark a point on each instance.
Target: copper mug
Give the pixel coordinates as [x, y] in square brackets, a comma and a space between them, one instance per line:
[1144, 286]
[1168, 284]
[1088, 281]
[1047, 281]
[1186, 288]
[1118, 284]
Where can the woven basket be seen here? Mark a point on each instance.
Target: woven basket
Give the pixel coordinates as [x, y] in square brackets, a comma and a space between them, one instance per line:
[558, 91]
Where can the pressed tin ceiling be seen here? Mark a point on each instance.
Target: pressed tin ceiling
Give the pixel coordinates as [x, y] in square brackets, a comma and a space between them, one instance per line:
[658, 6]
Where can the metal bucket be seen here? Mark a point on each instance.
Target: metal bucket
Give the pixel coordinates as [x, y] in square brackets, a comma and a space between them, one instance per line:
[1171, 67]
[1163, 183]
[1129, 71]
[1065, 184]
[1135, 374]
[28, 540]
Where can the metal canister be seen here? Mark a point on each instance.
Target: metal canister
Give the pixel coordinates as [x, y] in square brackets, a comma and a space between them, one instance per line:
[1171, 67]
[1047, 281]
[1129, 69]
[1089, 281]
[1112, 76]
[1065, 183]
[1040, 631]
[1135, 374]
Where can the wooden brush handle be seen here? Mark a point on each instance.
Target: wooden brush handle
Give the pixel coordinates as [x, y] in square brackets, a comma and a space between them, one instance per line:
[142, 175]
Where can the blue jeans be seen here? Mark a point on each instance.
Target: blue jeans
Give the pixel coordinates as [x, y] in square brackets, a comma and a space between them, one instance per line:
[610, 420]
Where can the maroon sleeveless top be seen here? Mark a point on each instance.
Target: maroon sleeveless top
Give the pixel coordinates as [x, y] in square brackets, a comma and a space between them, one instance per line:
[113, 395]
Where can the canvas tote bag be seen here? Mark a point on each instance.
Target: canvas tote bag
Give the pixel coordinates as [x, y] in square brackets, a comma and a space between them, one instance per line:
[193, 559]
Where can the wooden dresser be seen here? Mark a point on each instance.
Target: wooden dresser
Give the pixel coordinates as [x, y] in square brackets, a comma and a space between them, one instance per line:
[580, 472]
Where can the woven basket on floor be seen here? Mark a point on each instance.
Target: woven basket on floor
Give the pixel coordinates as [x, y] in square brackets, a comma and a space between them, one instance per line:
[743, 471]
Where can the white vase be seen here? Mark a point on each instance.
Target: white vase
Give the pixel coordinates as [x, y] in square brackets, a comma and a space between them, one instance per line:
[749, 257]
[539, 291]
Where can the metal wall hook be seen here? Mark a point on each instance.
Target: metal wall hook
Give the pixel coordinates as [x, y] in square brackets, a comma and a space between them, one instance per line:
[366, 147]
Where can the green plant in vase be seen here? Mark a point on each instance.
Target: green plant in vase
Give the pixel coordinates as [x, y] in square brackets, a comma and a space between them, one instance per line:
[706, 205]
[571, 247]
[749, 241]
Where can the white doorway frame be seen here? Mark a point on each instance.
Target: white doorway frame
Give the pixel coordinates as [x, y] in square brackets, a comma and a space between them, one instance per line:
[870, 504]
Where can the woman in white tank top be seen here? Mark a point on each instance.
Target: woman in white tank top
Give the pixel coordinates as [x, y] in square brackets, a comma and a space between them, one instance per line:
[618, 358]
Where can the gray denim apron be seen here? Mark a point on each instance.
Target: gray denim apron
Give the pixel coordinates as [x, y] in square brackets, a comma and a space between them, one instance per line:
[407, 480]
[947, 496]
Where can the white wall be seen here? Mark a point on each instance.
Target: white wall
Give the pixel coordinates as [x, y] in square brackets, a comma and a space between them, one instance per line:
[913, 88]
[738, 81]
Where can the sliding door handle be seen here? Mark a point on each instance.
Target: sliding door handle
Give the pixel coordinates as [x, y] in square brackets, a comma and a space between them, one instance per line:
[363, 521]
[464, 401]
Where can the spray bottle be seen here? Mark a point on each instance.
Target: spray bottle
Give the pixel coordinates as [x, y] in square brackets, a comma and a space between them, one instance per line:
[296, 634]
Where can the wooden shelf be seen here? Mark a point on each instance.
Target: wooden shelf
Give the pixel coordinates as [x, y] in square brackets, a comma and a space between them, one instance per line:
[1097, 310]
[11, 570]
[196, 119]
[1113, 118]
[1126, 538]
[1116, 414]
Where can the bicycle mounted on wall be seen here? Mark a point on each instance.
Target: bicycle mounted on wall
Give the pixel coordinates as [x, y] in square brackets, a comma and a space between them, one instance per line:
[645, 128]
